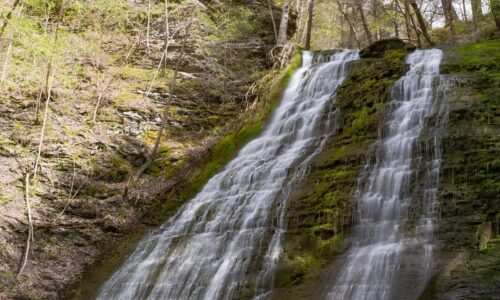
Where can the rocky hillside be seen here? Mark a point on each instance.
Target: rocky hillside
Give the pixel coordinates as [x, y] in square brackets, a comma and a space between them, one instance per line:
[85, 84]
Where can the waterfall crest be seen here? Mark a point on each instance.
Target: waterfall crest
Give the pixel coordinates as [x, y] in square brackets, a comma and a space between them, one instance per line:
[206, 249]
[385, 246]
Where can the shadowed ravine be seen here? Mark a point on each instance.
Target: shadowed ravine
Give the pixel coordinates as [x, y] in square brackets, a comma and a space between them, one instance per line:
[205, 250]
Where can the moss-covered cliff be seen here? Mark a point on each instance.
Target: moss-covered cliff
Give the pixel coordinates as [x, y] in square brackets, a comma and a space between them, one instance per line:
[470, 177]
[320, 210]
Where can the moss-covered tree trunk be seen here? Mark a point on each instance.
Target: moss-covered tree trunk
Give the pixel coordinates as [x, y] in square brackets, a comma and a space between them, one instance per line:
[368, 34]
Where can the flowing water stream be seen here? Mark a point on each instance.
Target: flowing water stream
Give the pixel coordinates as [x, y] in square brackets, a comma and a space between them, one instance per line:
[206, 250]
[388, 249]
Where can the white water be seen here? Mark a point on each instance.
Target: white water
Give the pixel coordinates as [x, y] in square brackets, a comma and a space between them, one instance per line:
[385, 247]
[205, 251]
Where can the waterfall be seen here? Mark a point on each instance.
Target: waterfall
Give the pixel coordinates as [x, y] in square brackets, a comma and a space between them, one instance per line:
[207, 248]
[388, 251]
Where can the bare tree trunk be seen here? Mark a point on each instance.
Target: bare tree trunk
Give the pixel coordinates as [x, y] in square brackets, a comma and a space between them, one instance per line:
[307, 45]
[6, 63]
[24, 259]
[164, 118]
[412, 21]
[298, 22]
[148, 25]
[495, 11]
[476, 12]
[464, 10]
[375, 5]
[351, 27]
[7, 18]
[368, 34]
[395, 18]
[454, 13]
[42, 132]
[421, 22]
[477, 5]
[166, 36]
[417, 32]
[342, 33]
[99, 98]
[270, 6]
[448, 16]
[49, 64]
[46, 88]
[282, 33]
[407, 16]
[353, 39]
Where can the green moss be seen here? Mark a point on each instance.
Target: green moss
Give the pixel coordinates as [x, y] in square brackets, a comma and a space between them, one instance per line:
[395, 56]
[4, 201]
[322, 203]
[468, 191]
[472, 57]
[363, 95]
[306, 264]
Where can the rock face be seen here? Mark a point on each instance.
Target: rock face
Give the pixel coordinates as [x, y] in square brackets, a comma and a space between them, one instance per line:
[469, 189]
[321, 209]
[132, 149]
[379, 48]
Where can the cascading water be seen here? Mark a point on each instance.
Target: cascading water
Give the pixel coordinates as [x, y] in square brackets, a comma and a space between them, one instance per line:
[385, 248]
[205, 250]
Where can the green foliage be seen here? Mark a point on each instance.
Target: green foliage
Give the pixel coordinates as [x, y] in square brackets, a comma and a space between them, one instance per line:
[42, 8]
[465, 31]
[483, 61]
[472, 57]
[230, 22]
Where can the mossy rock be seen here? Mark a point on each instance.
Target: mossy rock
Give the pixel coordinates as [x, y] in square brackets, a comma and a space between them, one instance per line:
[379, 48]
[321, 207]
[469, 180]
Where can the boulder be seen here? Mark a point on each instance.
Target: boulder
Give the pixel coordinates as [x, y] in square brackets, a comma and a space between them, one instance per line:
[132, 149]
[379, 48]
